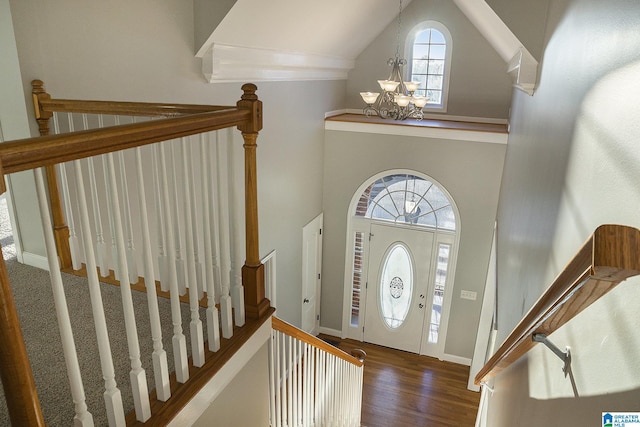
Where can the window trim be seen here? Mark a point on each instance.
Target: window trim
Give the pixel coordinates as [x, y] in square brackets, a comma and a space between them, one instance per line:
[409, 42]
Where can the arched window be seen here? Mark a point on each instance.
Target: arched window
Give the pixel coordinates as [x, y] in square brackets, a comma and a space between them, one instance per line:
[429, 51]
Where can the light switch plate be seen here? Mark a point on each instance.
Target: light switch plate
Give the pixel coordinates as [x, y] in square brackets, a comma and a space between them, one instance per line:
[470, 295]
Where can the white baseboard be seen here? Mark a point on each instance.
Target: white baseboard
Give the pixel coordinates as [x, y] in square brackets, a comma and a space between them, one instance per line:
[34, 260]
[456, 359]
[329, 331]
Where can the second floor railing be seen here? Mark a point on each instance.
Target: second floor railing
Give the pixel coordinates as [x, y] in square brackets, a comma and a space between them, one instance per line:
[140, 195]
[312, 383]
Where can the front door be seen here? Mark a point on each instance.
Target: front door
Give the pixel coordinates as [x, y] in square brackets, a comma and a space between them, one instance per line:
[397, 286]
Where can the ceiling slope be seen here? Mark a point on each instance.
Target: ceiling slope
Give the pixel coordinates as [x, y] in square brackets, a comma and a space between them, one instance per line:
[522, 66]
[293, 40]
[319, 40]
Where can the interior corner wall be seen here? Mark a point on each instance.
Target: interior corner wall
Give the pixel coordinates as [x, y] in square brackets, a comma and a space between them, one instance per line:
[572, 164]
[143, 51]
[479, 83]
[470, 171]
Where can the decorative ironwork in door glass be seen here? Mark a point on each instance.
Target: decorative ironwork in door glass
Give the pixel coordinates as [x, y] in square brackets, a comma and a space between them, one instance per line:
[396, 285]
[408, 199]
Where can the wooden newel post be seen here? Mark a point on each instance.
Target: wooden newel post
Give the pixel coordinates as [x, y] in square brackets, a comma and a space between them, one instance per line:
[60, 228]
[253, 271]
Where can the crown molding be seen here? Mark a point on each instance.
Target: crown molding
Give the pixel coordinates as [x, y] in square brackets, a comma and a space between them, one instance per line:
[227, 63]
[523, 69]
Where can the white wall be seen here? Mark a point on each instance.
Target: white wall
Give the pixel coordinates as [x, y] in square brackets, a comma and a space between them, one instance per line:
[470, 171]
[245, 401]
[144, 51]
[480, 86]
[572, 164]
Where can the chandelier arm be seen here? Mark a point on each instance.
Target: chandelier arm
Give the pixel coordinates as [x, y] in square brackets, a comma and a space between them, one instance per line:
[396, 101]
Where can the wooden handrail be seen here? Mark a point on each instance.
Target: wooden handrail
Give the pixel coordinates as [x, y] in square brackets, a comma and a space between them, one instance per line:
[44, 105]
[30, 153]
[288, 329]
[609, 256]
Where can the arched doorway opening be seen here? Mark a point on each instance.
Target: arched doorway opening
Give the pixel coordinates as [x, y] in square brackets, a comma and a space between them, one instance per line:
[402, 240]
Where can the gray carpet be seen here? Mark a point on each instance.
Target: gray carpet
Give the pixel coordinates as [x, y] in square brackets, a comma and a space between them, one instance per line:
[34, 301]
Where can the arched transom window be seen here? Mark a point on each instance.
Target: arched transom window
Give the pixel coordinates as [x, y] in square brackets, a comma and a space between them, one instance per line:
[409, 199]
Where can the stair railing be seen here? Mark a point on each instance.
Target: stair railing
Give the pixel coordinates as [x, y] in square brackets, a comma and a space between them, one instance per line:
[158, 138]
[608, 257]
[312, 383]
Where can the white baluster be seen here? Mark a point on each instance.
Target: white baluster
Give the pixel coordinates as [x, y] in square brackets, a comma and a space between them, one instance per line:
[328, 398]
[340, 390]
[213, 324]
[358, 394]
[66, 201]
[225, 256]
[180, 267]
[101, 248]
[195, 208]
[272, 388]
[283, 379]
[82, 417]
[178, 340]
[290, 381]
[128, 227]
[294, 381]
[137, 373]
[214, 215]
[163, 267]
[275, 344]
[320, 378]
[197, 338]
[112, 396]
[298, 416]
[110, 213]
[332, 389]
[306, 384]
[235, 212]
[73, 238]
[301, 382]
[312, 386]
[159, 357]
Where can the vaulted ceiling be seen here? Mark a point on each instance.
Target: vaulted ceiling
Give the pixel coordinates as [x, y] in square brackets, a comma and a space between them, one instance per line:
[310, 39]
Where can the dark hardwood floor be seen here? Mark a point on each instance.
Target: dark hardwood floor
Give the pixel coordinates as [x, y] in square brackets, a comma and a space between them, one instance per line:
[404, 389]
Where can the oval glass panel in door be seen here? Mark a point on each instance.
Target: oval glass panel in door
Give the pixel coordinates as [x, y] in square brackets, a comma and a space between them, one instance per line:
[396, 285]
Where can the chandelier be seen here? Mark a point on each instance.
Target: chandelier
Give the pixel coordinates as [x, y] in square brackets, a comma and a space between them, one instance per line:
[397, 100]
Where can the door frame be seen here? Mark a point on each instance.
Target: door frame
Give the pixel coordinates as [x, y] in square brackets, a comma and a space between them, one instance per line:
[313, 230]
[360, 224]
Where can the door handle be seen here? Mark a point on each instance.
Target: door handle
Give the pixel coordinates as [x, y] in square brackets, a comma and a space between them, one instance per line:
[306, 301]
[421, 305]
